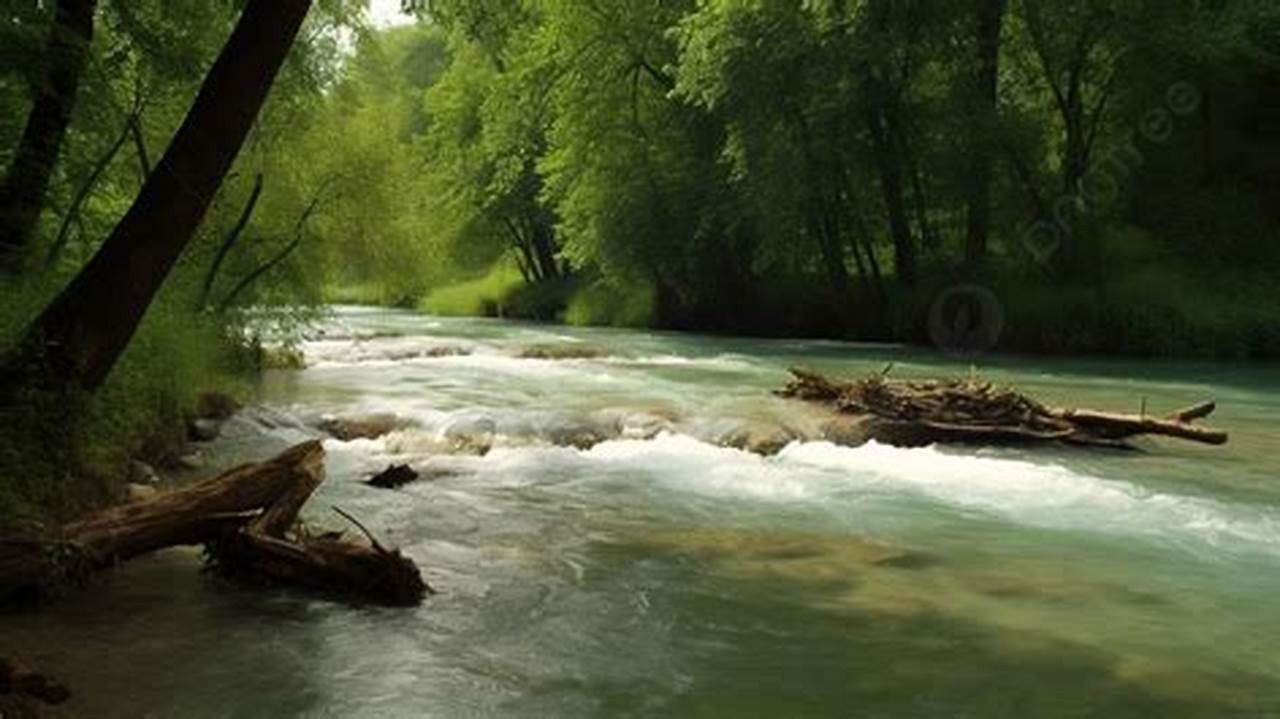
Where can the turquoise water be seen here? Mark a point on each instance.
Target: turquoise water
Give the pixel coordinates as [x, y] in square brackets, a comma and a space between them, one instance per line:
[612, 556]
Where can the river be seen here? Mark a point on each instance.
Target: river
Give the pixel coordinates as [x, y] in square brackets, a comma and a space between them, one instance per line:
[661, 573]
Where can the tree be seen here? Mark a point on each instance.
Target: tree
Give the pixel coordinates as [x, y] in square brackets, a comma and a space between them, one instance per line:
[25, 184]
[76, 340]
[989, 23]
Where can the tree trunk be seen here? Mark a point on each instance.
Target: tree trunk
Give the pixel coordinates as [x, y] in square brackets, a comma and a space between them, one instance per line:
[986, 96]
[890, 171]
[78, 338]
[542, 238]
[27, 181]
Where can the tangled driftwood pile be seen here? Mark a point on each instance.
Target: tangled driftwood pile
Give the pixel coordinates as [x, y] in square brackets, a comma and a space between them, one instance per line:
[912, 413]
[247, 519]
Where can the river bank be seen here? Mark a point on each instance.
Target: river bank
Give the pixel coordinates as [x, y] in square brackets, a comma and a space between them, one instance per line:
[1147, 308]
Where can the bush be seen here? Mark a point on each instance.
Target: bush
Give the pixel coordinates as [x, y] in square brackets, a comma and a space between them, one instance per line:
[62, 453]
[479, 297]
[604, 303]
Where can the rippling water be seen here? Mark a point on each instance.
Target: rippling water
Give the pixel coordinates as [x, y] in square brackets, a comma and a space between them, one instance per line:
[612, 554]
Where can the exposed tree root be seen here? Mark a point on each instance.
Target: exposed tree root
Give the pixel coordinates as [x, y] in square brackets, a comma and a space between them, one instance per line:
[248, 519]
[914, 413]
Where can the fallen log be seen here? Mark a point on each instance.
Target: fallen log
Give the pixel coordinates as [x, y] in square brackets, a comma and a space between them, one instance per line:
[914, 413]
[1194, 412]
[241, 507]
[1106, 425]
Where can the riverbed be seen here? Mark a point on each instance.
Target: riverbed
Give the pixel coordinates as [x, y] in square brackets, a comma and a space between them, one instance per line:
[603, 548]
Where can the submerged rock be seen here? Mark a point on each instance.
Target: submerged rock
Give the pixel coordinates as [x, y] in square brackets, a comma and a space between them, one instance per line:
[626, 423]
[204, 430]
[369, 426]
[793, 555]
[216, 406]
[848, 430]
[762, 439]
[135, 492]
[400, 355]
[142, 473]
[582, 435]
[190, 461]
[395, 476]
[562, 352]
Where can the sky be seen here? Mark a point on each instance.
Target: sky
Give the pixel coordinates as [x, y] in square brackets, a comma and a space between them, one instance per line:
[386, 13]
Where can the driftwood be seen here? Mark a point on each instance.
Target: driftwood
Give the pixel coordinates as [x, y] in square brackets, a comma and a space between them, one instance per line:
[247, 518]
[914, 413]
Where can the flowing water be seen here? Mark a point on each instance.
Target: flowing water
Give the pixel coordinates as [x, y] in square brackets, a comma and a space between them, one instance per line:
[612, 555]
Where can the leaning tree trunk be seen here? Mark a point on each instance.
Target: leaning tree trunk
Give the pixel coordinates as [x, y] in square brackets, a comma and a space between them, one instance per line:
[27, 181]
[78, 338]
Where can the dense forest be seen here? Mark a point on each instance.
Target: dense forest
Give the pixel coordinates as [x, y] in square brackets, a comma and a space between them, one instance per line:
[1098, 171]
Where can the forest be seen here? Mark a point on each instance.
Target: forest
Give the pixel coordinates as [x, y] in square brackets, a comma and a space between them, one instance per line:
[189, 187]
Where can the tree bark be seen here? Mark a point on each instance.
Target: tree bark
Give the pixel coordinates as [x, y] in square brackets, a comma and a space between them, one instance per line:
[77, 339]
[27, 181]
[990, 23]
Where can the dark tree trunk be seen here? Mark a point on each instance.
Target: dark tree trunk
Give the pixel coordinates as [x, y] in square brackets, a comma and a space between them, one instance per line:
[833, 254]
[27, 181]
[78, 338]
[542, 238]
[989, 26]
[889, 167]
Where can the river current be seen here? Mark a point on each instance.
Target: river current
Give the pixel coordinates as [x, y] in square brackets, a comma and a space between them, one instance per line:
[602, 548]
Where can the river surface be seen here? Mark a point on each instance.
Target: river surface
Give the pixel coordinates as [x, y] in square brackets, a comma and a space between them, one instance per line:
[611, 555]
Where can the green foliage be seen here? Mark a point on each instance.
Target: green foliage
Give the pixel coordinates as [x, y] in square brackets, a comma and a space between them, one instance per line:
[60, 454]
[602, 303]
[482, 296]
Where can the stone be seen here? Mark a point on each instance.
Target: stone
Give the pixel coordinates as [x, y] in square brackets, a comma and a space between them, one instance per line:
[142, 473]
[190, 461]
[562, 352]
[393, 477]
[369, 426]
[216, 405]
[204, 430]
[140, 492]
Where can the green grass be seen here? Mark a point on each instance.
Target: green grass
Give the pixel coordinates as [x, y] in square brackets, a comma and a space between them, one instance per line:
[602, 303]
[478, 297]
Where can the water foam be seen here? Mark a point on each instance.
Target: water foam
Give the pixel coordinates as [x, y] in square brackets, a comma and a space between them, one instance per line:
[1045, 495]
[824, 475]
